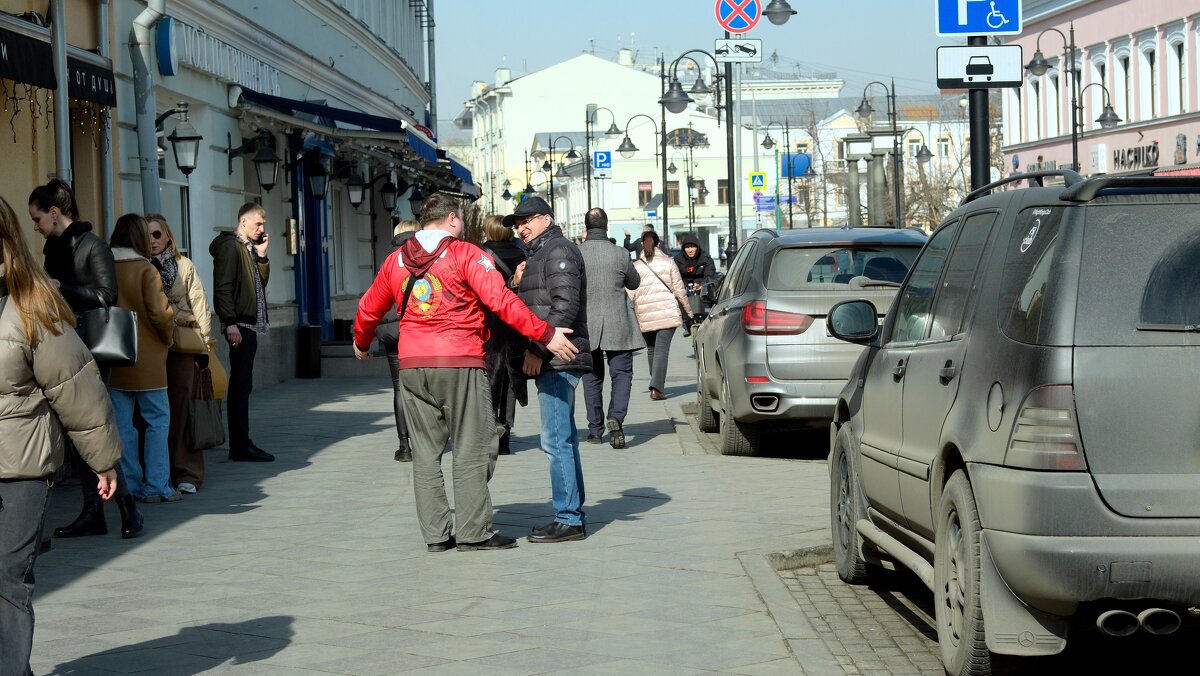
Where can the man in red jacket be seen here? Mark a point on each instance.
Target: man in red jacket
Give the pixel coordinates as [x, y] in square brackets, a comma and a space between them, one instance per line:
[441, 285]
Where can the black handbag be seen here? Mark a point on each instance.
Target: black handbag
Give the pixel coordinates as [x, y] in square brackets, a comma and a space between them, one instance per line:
[111, 333]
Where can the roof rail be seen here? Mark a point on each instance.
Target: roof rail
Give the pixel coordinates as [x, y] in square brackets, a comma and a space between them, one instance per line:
[1069, 177]
[769, 231]
[1090, 189]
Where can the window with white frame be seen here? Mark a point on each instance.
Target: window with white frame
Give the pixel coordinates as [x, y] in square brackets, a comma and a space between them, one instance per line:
[1148, 84]
[1176, 80]
[1094, 105]
[1035, 110]
[1053, 105]
[1122, 89]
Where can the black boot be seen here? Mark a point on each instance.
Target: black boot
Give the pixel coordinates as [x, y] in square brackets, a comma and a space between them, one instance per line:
[131, 518]
[89, 522]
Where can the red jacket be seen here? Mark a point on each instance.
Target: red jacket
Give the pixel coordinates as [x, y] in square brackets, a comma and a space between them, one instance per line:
[444, 325]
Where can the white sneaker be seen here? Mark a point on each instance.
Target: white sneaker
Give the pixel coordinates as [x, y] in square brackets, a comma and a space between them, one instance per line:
[185, 487]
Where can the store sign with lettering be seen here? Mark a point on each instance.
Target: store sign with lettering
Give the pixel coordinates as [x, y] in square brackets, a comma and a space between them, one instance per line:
[1137, 157]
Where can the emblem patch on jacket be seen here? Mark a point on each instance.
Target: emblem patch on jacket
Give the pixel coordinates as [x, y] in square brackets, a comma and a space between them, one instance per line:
[426, 296]
[562, 265]
[486, 262]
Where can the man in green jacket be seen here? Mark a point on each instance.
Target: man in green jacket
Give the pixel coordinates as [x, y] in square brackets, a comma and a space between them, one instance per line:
[240, 274]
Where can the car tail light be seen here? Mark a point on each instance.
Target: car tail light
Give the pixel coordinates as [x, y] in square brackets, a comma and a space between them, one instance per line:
[757, 320]
[757, 379]
[1046, 434]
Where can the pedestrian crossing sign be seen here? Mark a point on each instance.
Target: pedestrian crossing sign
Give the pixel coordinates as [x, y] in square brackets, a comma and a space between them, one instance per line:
[758, 180]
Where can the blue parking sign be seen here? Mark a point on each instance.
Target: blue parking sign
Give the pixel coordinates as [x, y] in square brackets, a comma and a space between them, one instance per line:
[956, 18]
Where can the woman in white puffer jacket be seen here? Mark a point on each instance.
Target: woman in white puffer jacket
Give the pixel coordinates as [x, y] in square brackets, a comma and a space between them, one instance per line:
[656, 303]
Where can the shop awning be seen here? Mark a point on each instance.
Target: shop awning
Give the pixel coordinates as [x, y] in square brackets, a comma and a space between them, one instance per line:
[459, 170]
[1179, 170]
[26, 57]
[320, 110]
[422, 145]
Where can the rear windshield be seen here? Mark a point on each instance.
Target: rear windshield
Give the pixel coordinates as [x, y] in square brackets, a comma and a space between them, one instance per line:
[817, 268]
[1139, 281]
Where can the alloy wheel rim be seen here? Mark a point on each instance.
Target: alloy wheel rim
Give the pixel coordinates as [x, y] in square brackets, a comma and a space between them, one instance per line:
[953, 589]
[843, 506]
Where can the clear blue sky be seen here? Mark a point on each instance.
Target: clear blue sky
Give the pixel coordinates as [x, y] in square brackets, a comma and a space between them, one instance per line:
[862, 40]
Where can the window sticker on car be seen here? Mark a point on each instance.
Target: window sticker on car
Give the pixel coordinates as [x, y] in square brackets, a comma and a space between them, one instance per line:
[1033, 231]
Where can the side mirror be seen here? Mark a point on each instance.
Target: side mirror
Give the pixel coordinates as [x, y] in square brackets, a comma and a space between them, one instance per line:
[711, 289]
[854, 321]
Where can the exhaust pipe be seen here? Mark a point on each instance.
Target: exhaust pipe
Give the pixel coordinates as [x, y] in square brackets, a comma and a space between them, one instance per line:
[1159, 621]
[1118, 622]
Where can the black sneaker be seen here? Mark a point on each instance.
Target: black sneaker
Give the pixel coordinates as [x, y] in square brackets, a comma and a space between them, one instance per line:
[594, 439]
[559, 532]
[616, 435]
[441, 546]
[403, 454]
[497, 541]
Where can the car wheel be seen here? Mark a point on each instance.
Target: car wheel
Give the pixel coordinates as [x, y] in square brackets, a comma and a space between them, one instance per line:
[956, 571]
[847, 507]
[706, 415]
[737, 438]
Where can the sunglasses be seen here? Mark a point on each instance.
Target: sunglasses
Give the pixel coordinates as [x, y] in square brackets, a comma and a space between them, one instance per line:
[156, 234]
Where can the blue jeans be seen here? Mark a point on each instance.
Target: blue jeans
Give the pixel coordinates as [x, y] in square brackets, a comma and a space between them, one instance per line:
[155, 479]
[560, 442]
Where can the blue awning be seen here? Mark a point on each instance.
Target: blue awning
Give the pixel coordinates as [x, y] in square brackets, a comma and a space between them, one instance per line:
[460, 171]
[422, 145]
[320, 110]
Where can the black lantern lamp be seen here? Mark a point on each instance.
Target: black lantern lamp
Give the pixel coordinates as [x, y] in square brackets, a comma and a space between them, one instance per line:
[185, 141]
[768, 142]
[627, 149]
[672, 168]
[387, 195]
[356, 189]
[675, 100]
[562, 171]
[317, 177]
[923, 155]
[507, 194]
[266, 162]
[415, 200]
[778, 12]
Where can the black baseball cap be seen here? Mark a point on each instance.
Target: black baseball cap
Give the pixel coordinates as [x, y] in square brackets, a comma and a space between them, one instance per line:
[530, 206]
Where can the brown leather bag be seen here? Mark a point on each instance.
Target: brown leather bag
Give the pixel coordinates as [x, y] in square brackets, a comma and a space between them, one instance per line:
[188, 340]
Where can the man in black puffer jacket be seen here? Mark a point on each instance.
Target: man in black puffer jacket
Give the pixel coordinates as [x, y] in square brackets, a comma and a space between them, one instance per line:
[552, 283]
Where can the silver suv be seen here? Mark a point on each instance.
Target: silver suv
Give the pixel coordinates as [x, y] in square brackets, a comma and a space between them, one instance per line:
[763, 354]
[1022, 431]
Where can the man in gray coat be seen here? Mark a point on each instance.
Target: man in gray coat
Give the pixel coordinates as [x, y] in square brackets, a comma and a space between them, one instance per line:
[612, 329]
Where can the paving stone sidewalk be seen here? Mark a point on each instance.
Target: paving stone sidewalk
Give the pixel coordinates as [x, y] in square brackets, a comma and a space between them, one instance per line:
[314, 563]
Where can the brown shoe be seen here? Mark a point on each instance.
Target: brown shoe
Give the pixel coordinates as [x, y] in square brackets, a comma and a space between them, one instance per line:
[657, 395]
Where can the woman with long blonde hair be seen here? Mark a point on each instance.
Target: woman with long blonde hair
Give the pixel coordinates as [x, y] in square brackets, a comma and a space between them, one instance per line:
[186, 295]
[50, 385]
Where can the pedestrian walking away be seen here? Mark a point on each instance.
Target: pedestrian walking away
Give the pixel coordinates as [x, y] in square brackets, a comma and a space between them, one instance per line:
[613, 332]
[388, 335]
[660, 304]
[49, 384]
[81, 267]
[240, 274]
[553, 284]
[442, 285]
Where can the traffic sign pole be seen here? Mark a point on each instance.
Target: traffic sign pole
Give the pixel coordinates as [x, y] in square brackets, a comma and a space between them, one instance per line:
[979, 126]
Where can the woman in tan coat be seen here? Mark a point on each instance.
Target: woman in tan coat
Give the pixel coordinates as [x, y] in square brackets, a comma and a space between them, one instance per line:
[656, 302]
[50, 389]
[139, 288]
[186, 295]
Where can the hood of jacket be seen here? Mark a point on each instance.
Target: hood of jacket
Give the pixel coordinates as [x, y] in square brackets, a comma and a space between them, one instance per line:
[417, 259]
[400, 239]
[121, 253]
[691, 240]
[222, 239]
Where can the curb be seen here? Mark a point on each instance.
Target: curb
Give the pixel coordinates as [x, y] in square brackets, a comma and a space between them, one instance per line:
[805, 557]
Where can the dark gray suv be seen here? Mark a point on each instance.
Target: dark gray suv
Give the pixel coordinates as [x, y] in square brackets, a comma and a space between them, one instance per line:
[1023, 430]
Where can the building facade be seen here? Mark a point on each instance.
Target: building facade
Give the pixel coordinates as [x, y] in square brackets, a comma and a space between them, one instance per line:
[1137, 56]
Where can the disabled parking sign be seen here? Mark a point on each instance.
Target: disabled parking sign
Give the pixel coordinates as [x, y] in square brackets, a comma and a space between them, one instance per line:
[957, 18]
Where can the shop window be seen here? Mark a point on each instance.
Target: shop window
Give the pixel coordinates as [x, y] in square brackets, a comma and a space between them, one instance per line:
[645, 192]
[673, 193]
[722, 191]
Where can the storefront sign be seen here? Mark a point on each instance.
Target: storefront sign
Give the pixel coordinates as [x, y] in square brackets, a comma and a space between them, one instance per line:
[1137, 157]
[29, 60]
[205, 53]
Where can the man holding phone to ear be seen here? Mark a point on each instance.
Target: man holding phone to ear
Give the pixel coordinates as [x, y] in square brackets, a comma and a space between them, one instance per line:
[240, 274]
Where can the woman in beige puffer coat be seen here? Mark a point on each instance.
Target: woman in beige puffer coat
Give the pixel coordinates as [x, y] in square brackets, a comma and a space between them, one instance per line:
[656, 303]
[50, 389]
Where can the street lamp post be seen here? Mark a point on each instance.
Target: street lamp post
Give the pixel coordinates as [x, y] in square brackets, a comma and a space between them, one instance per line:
[561, 173]
[1039, 65]
[1108, 119]
[676, 100]
[628, 149]
[769, 143]
[864, 111]
[612, 132]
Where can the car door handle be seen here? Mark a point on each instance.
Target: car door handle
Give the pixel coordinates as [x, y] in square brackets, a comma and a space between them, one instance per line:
[898, 370]
[947, 372]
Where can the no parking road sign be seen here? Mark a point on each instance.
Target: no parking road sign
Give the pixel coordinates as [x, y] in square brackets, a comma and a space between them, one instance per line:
[738, 16]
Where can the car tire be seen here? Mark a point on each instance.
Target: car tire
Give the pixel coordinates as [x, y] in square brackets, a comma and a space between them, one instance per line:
[958, 606]
[706, 416]
[847, 506]
[737, 438]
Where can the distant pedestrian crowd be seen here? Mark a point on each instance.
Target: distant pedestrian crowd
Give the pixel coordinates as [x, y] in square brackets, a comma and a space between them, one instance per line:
[462, 323]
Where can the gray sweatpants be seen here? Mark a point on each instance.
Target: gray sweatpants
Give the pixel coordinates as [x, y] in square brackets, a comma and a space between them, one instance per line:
[453, 404]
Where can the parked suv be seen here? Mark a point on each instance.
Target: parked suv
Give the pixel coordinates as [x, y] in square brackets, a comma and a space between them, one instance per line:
[763, 354]
[1022, 430]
